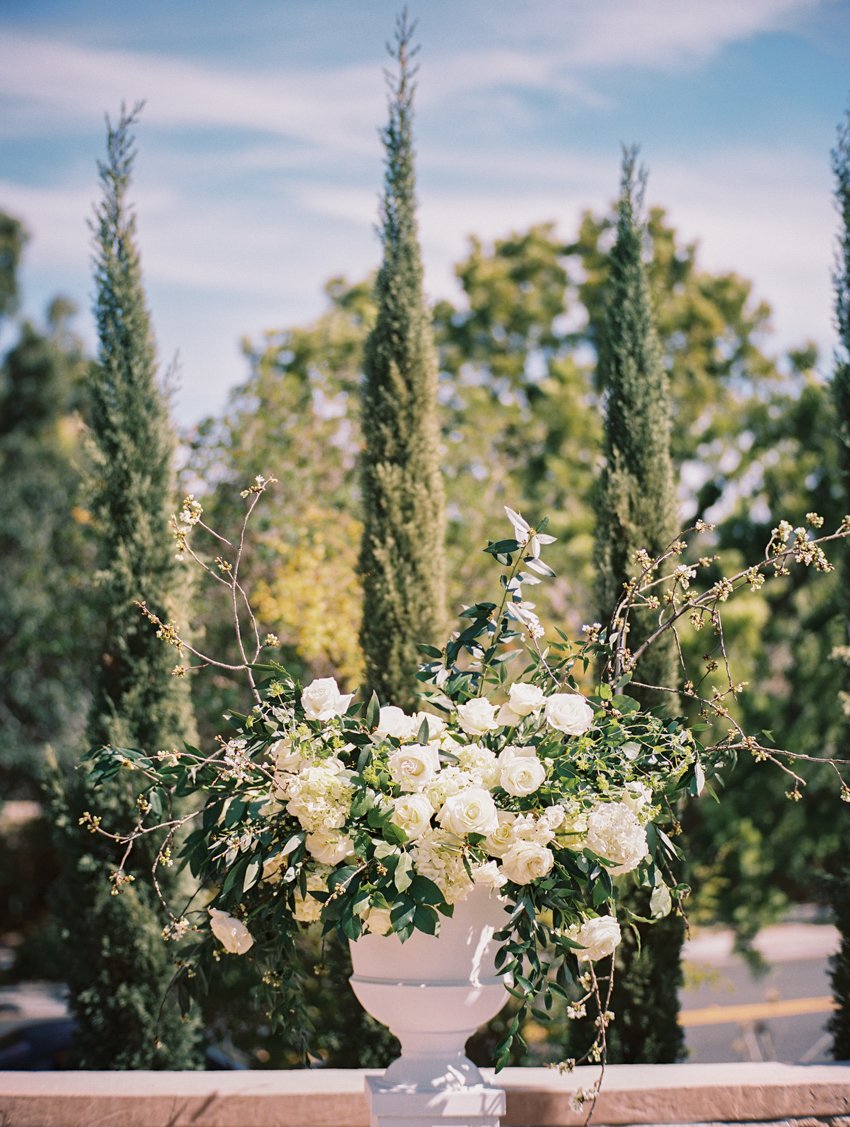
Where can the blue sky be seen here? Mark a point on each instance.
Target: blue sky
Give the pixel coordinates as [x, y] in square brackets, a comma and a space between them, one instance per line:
[259, 161]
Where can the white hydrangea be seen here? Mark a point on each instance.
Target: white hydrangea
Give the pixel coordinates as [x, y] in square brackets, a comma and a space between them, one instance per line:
[479, 762]
[438, 856]
[307, 908]
[451, 780]
[615, 833]
[319, 796]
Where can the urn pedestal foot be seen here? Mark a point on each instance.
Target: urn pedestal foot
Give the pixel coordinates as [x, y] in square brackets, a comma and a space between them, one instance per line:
[433, 993]
[402, 1105]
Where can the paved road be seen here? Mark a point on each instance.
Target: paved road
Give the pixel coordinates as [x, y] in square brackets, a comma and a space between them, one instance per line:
[731, 1014]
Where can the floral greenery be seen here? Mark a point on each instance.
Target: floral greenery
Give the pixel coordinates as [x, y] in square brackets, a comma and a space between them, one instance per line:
[360, 817]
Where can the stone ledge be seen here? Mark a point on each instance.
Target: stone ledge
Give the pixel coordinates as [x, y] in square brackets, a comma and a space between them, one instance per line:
[645, 1095]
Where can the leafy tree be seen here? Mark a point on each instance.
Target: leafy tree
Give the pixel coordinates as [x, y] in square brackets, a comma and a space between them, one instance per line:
[636, 511]
[402, 554]
[117, 964]
[45, 658]
[13, 237]
[839, 1024]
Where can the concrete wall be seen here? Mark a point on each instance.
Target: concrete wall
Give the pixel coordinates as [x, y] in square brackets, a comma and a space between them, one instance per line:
[682, 1094]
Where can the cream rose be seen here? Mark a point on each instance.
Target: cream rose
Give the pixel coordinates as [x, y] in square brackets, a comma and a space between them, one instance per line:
[523, 699]
[599, 938]
[230, 932]
[503, 837]
[307, 908]
[329, 848]
[569, 713]
[394, 722]
[412, 813]
[322, 700]
[414, 766]
[520, 771]
[526, 861]
[477, 716]
[377, 921]
[472, 811]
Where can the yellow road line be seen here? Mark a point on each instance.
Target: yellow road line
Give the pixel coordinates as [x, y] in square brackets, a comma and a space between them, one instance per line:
[757, 1011]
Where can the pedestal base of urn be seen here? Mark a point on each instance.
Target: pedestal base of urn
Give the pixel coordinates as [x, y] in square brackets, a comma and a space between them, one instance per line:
[400, 1105]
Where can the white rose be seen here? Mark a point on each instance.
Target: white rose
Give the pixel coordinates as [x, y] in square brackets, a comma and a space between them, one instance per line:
[329, 848]
[638, 798]
[599, 938]
[414, 766]
[477, 716]
[322, 700]
[507, 718]
[412, 813]
[520, 771]
[569, 713]
[489, 875]
[614, 832]
[523, 699]
[284, 758]
[526, 861]
[436, 725]
[231, 933]
[377, 921]
[394, 722]
[471, 811]
[503, 837]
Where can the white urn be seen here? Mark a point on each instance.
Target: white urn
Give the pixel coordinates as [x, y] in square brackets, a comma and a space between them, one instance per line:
[433, 992]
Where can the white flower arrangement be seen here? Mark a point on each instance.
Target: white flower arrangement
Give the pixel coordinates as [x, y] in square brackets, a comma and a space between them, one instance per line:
[363, 818]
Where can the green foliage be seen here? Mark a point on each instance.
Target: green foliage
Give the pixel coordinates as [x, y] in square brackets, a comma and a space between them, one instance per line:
[636, 510]
[402, 555]
[839, 889]
[13, 236]
[118, 969]
[636, 507]
[45, 623]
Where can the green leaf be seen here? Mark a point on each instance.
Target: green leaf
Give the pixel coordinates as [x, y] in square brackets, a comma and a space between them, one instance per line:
[403, 877]
[425, 919]
[373, 711]
[252, 874]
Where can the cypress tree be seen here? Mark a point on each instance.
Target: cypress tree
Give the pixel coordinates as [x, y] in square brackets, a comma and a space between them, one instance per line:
[402, 552]
[839, 888]
[636, 509]
[118, 966]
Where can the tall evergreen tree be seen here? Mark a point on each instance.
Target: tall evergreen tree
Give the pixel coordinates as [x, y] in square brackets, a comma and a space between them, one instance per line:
[402, 552]
[839, 1023]
[636, 509]
[118, 965]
